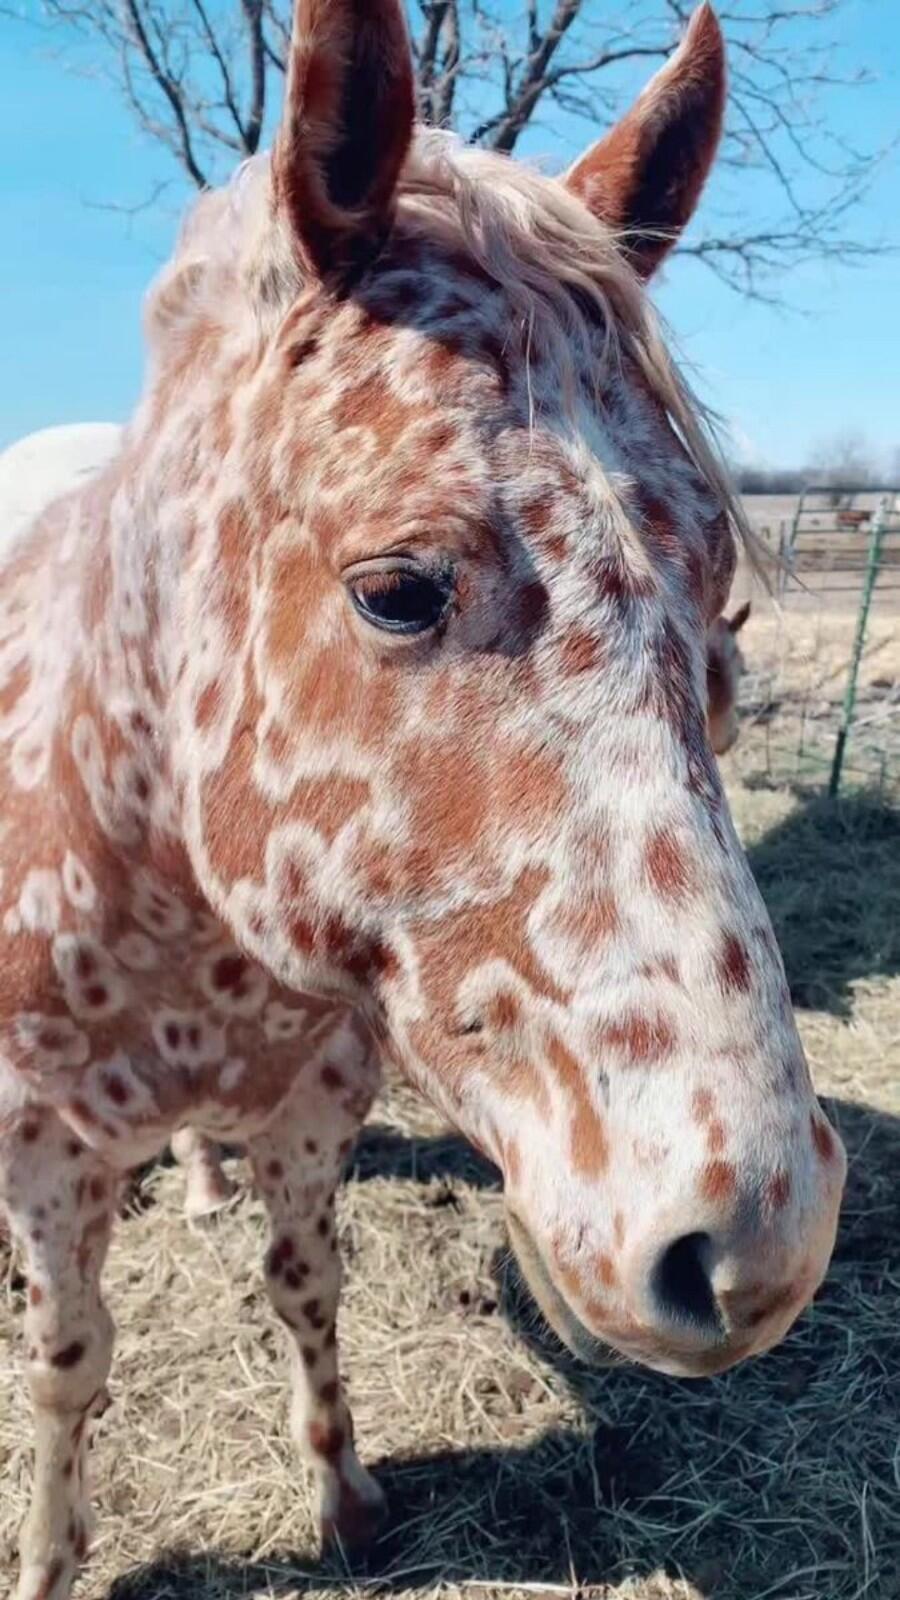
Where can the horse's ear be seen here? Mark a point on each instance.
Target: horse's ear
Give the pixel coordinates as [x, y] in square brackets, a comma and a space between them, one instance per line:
[740, 617]
[347, 122]
[645, 176]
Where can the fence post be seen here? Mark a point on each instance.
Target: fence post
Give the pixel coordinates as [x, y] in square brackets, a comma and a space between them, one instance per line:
[873, 564]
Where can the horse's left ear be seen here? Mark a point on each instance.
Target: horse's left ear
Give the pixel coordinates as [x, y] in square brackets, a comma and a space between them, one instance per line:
[644, 177]
[345, 130]
[740, 617]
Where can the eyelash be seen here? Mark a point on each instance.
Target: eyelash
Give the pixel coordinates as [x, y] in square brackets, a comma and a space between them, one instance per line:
[404, 599]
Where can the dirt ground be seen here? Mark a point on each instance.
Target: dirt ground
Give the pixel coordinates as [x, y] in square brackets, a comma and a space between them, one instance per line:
[512, 1471]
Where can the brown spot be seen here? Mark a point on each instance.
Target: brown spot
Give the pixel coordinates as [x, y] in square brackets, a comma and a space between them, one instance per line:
[97, 1189]
[326, 804]
[667, 867]
[209, 701]
[327, 1441]
[779, 1189]
[275, 1169]
[85, 964]
[665, 967]
[312, 1310]
[619, 583]
[502, 1012]
[35, 1294]
[54, 1573]
[606, 1270]
[322, 1227]
[30, 1131]
[640, 1037]
[718, 1181]
[117, 1090]
[65, 1359]
[580, 652]
[734, 965]
[310, 1147]
[702, 1104]
[589, 1144]
[81, 1110]
[715, 1138]
[618, 1230]
[310, 1355]
[229, 971]
[331, 1077]
[279, 1256]
[73, 1148]
[329, 1392]
[68, 1467]
[822, 1137]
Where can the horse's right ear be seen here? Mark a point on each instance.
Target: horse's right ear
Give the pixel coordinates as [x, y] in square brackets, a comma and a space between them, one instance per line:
[740, 617]
[345, 130]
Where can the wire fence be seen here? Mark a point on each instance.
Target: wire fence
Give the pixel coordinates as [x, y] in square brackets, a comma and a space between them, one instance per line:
[822, 693]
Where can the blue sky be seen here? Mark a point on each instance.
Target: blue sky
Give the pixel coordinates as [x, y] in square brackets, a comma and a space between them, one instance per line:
[72, 273]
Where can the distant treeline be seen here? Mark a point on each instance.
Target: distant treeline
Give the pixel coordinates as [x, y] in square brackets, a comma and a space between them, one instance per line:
[790, 480]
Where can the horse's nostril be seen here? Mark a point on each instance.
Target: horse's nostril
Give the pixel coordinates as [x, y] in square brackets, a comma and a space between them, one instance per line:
[680, 1283]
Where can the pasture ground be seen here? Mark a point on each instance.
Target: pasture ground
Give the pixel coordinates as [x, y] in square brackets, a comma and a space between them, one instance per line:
[512, 1471]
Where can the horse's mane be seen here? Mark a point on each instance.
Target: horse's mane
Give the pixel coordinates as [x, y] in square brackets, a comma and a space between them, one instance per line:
[561, 269]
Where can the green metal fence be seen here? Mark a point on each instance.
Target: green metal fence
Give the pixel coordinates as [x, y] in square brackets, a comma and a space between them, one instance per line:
[840, 563]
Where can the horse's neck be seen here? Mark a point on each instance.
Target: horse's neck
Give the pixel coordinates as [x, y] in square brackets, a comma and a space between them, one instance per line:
[80, 619]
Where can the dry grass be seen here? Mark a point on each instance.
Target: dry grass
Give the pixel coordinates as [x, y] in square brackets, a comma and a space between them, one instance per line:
[511, 1470]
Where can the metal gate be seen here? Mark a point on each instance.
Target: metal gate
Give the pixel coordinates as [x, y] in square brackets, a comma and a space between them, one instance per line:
[839, 582]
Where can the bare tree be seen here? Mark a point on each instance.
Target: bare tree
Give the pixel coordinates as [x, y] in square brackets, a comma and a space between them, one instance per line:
[844, 461]
[201, 78]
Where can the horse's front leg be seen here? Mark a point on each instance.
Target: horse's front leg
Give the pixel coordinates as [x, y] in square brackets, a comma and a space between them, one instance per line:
[60, 1200]
[297, 1166]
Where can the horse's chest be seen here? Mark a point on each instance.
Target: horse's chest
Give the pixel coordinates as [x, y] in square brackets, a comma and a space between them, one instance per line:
[134, 1036]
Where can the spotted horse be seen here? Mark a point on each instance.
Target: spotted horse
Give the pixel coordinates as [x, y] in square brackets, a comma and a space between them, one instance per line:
[355, 712]
[208, 1187]
[38, 468]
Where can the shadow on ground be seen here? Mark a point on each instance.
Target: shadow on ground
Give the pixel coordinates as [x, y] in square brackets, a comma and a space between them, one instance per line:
[775, 1480]
[830, 876]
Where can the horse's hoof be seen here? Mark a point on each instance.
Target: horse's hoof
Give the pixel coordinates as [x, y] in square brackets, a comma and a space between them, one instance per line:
[356, 1521]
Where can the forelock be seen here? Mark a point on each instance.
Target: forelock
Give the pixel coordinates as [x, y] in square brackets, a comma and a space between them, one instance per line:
[560, 268]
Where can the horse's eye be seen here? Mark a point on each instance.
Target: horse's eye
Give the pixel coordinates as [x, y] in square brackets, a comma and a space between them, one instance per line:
[402, 599]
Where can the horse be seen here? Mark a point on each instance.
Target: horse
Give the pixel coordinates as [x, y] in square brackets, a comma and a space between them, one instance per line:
[724, 669]
[354, 713]
[44, 465]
